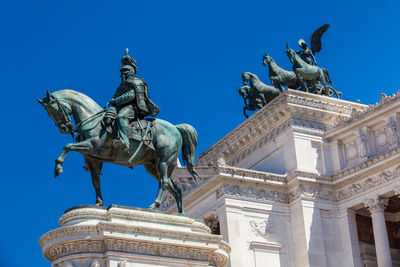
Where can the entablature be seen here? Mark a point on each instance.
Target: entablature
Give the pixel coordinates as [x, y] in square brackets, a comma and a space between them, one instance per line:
[298, 110]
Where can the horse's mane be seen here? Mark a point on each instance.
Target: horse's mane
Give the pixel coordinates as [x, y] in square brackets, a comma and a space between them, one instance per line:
[67, 93]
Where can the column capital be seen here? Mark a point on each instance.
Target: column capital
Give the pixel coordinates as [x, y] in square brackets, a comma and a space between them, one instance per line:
[376, 204]
[396, 191]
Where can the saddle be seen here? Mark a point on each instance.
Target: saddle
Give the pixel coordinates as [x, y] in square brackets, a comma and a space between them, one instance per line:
[139, 130]
[142, 130]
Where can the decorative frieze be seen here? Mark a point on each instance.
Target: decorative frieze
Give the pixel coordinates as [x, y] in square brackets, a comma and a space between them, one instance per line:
[254, 193]
[308, 124]
[136, 232]
[319, 113]
[313, 192]
[358, 114]
[368, 183]
[366, 164]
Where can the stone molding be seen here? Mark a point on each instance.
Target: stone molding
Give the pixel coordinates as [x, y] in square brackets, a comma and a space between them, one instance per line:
[251, 192]
[126, 246]
[321, 112]
[310, 188]
[106, 214]
[258, 144]
[308, 124]
[368, 163]
[312, 192]
[357, 114]
[96, 231]
[368, 183]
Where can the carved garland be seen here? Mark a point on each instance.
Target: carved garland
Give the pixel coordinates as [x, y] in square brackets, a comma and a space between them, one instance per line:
[369, 183]
[250, 192]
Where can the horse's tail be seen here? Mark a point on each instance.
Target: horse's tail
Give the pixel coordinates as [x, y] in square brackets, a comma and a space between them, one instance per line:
[326, 74]
[189, 146]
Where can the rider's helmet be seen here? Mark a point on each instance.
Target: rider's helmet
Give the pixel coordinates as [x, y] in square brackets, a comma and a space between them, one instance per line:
[127, 60]
[302, 43]
[128, 67]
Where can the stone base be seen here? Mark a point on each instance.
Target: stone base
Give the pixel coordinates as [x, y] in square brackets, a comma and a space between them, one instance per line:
[117, 236]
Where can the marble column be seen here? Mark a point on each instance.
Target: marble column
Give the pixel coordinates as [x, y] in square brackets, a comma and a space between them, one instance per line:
[351, 247]
[377, 206]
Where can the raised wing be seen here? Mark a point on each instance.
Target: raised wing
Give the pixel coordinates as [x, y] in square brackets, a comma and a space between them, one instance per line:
[316, 38]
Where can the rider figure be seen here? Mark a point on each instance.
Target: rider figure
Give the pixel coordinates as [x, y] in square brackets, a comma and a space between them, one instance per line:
[306, 54]
[131, 100]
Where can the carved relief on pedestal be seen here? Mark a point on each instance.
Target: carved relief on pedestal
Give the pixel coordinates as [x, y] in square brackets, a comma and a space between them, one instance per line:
[362, 142]
[271, 229]
[352, 151]
[95, 263]
[263, 229]
[392, 130]
[122, 263]
[381, 138]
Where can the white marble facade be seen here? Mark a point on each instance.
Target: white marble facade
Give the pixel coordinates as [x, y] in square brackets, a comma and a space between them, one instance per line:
[287, 186]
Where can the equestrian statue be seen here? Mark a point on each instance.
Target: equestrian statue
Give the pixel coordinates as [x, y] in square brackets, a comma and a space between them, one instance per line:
[123, 134]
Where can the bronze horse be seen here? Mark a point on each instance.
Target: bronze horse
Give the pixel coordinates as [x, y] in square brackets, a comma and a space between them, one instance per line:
[95, 144]
[258, 94]
[279, 76]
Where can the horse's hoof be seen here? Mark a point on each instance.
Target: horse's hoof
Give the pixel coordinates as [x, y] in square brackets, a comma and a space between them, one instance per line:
[100, 204]
[154, 206]
[58, 171]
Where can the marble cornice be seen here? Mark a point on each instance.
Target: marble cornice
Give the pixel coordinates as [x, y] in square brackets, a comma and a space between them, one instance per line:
[360, 117]
[355, 179]
[92, 230]
[367, 168]
[294, 108]
[371, 182]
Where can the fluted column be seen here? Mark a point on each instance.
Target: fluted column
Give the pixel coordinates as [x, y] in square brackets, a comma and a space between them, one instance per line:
[377, 206]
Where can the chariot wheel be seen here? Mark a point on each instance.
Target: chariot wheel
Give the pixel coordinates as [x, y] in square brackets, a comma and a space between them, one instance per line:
[332, 92]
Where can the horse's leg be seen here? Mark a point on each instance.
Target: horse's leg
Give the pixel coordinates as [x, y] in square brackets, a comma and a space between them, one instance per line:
[94, 168]
[244, 112]
[300, 79]
[152, 170]
[87, 146]
[322, 79]
[174, 189]
[277, 84]
[162, 168]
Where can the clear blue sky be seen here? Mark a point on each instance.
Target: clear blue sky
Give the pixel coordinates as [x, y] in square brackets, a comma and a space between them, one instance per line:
[191, 53]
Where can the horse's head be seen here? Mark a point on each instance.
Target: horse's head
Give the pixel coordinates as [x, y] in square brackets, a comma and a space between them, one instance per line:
[266, 59]
[58, 113]
[245, 77]
[290, 53]
[244, 91]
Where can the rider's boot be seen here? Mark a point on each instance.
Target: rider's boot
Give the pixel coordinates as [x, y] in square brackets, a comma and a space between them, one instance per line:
[123, 130]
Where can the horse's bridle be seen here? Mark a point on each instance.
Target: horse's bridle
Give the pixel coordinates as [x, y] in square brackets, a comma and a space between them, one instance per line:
[66, 119]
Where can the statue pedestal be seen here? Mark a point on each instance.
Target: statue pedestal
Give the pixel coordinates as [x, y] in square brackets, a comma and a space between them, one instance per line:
[118, 236]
